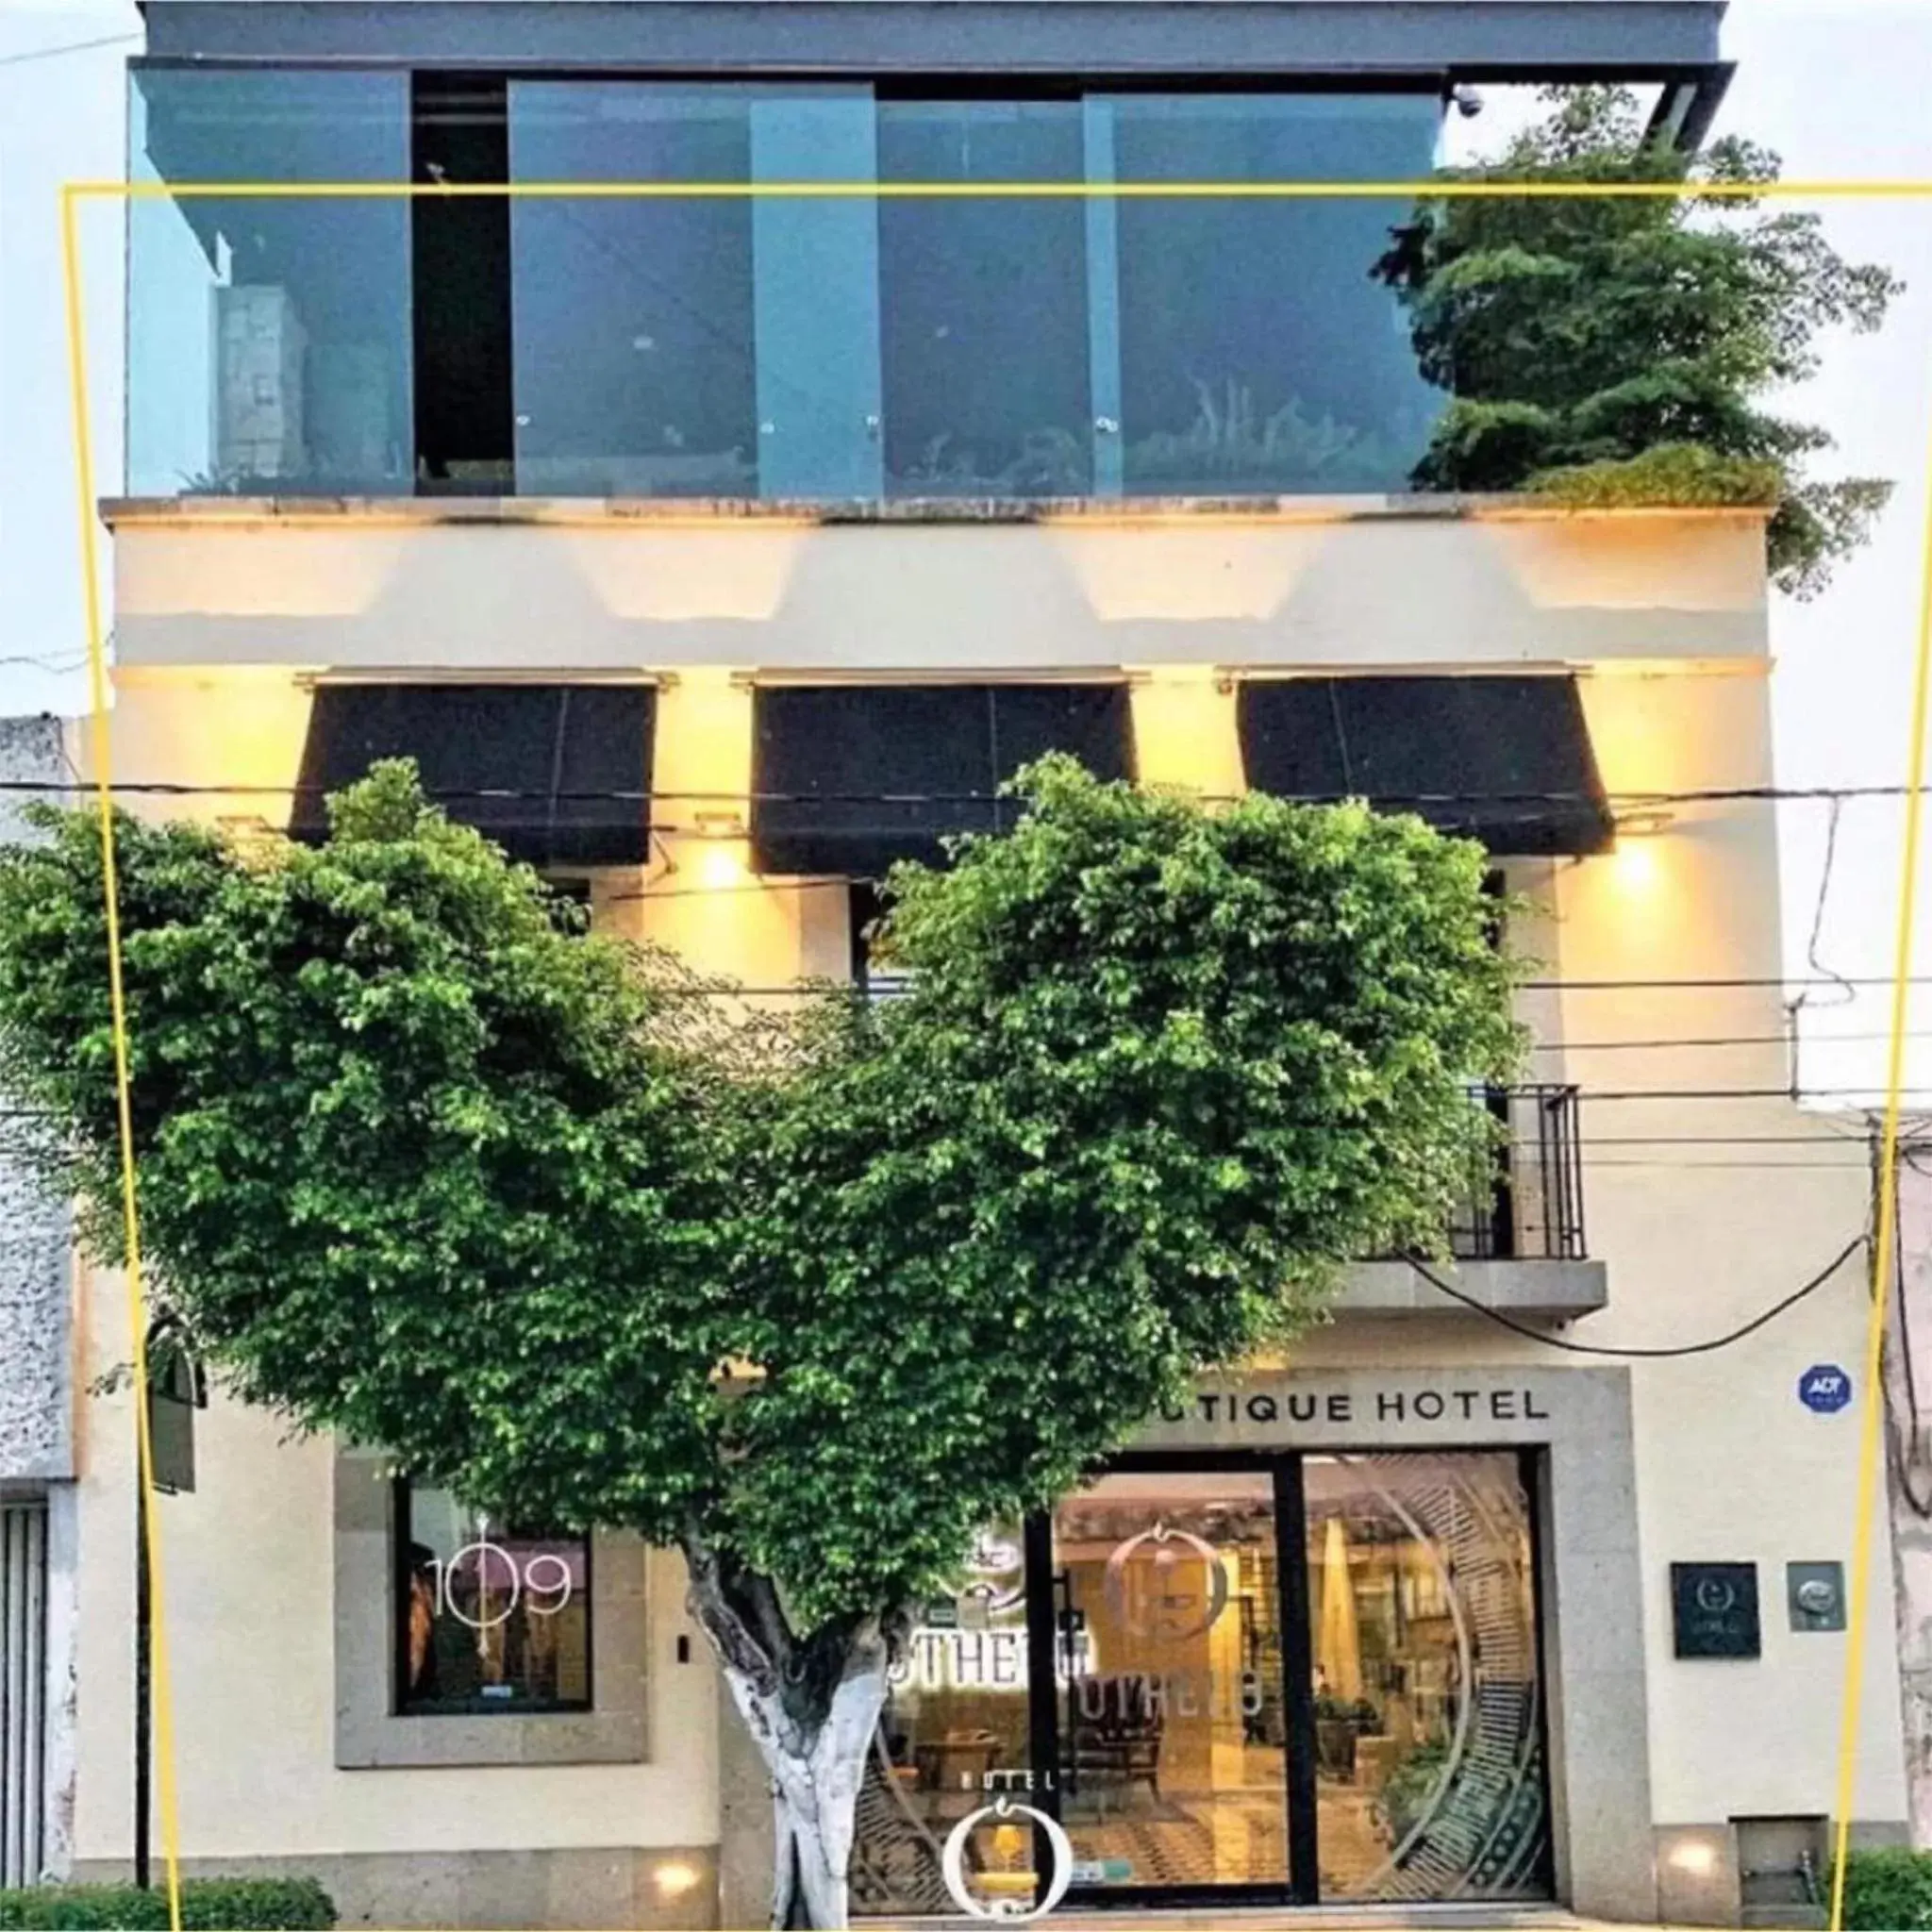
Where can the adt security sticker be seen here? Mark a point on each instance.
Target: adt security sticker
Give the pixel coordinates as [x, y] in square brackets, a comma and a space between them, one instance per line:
[1825, 1388]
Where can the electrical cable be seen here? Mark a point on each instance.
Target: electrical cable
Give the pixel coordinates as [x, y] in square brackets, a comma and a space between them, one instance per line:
[1905, 1455]
[1753, 1168]
[806, 988]
[1594, 1140]
[1706, 1347]
[1708, 1040]
[1384, 800]
[67, 47]
[1731, 1092]
[1811, 958]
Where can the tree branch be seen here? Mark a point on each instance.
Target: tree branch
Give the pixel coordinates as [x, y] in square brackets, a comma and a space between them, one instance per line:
[759, 1653]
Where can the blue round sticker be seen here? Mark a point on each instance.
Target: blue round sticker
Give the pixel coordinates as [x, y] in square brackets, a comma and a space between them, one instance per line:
[1825, 1388]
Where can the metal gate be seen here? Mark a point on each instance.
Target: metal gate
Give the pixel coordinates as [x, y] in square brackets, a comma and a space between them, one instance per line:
[23, 1691]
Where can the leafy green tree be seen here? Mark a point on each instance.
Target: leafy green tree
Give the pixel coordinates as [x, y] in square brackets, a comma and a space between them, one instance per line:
[1610, 350]
[810, 1299]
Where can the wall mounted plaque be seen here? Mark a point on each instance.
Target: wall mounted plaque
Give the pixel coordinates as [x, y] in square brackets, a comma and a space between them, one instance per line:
[1816, 1595]
[1714, 1609]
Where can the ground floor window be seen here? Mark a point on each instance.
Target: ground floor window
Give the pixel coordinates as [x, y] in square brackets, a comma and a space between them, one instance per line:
[491, 1616]
[1305, 1676]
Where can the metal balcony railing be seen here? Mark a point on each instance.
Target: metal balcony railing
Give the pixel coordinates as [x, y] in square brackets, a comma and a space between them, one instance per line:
[1532, 1209]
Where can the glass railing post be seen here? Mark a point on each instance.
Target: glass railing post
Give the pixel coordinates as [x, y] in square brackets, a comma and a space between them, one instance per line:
[1103, 299]
[815, 300]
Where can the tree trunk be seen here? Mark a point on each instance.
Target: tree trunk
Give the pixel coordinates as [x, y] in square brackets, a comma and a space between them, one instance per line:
[816, 1772]
[811, 1706]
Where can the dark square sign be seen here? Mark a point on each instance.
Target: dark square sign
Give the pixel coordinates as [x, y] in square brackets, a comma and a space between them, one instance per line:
[1714, 1609]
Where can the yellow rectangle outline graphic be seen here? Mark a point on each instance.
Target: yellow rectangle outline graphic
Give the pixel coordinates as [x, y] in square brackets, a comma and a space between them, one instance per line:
[1749, 190]
[74, 193]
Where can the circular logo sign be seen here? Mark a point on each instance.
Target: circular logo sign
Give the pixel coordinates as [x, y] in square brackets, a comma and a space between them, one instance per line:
[953, 1864]
[994, 1558]
[1824, 1387]
[1170, 1622]
[1714, 1595]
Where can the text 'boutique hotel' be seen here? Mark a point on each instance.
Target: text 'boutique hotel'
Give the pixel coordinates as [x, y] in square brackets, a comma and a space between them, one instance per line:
[797, 504]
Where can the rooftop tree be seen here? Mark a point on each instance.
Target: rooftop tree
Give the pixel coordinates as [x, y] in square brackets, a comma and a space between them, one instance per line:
[1626, 350]
[811, 1299]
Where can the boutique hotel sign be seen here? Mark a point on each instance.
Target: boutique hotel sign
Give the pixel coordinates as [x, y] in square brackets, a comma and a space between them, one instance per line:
[1346, 1407]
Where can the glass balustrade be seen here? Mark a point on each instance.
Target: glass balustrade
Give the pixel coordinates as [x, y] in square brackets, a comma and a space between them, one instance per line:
[731, 344]
[269, 338]
[1256, 352]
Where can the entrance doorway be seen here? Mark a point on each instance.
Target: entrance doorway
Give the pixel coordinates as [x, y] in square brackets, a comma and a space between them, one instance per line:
[1171, 1715]
[1293, 1678]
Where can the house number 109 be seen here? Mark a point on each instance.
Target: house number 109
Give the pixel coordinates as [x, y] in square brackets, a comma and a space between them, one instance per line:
[541, 1585]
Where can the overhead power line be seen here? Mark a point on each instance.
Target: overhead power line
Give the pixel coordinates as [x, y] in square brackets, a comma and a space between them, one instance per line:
[21, 58]
[803, 989]
[1738, 1093]
[630, 795]
[1711, 1039]
[1585, 1094]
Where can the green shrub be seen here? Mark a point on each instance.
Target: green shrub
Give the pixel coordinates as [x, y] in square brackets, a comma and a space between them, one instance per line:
[1671, 473]
[207, 1904]
[1887, 1891]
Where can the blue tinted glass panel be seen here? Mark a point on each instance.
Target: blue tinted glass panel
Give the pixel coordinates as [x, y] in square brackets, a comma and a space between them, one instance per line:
[1258, 353]
[816, 266]
[692, 346]
[983, 303]
[268, 339]
[632, 319]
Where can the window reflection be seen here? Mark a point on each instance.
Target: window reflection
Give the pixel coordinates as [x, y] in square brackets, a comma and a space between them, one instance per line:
[955, 1731]
[632, 319]
[983, 303]
[268, 339]
[1256, 353]
[1428, 1731]
[1172, 1722]
[775, 346]
[492, 1616]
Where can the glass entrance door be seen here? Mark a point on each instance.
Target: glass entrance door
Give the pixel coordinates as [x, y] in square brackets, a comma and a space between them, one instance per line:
[1306, 1677]
[1172, 1760]
[1428, 1710]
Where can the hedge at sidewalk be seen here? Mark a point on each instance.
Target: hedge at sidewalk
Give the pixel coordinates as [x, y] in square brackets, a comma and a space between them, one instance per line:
[207, 1904]
[1889, 1891]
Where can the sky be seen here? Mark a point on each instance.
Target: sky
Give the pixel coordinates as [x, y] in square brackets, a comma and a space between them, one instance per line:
[1837, 87]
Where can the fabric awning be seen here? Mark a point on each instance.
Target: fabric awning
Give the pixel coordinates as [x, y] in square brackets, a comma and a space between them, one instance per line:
[849, 778]
[534, 745]
[1506, 759]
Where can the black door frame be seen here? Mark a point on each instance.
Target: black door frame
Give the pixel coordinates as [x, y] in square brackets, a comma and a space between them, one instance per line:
[1283, 1466]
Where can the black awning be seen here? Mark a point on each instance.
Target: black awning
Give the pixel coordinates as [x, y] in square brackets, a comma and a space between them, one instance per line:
[1503, 760]
[849, 778]
[550, 754]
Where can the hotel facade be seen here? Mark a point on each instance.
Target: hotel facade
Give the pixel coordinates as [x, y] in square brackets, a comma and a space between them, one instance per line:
[713, 551]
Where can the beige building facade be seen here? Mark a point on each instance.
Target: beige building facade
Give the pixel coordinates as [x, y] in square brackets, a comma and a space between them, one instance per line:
[713, 550]
[1667, 1776]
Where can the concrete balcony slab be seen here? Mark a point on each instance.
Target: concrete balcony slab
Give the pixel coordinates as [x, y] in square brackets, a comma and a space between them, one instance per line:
[1549, 1291]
